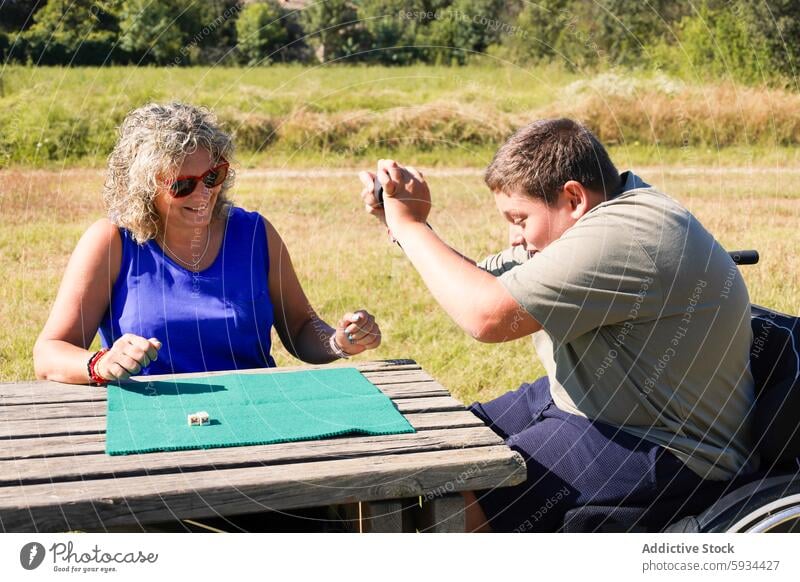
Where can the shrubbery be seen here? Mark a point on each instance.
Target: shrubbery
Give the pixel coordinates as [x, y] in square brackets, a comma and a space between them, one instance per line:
[261, 32]
[752, 42]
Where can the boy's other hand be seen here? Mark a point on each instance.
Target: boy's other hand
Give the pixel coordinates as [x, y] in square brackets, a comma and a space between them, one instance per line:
[406, 197]
[371, 204]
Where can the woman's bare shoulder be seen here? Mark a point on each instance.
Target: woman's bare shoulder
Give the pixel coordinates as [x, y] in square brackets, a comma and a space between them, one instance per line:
[101, 244]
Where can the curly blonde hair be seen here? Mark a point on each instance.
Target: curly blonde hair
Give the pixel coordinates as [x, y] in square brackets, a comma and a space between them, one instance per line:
[153, 142]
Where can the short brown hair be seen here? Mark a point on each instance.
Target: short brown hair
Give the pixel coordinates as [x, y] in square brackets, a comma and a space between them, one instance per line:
[544, 155]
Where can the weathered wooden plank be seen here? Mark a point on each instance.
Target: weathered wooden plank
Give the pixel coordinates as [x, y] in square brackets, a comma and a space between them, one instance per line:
[15, 405]
[367, 366]
[34, 427]
[91, 504]
[97, 465]
[49, 398]
[377, 367]
[413, 389]
[434, 404]
[52, 393]
[53, 411]
[400, 390]
[390, 377]
[58, 446]
[42, 391]
[442, 514]
[84, 409]
[86, 444]
[435, 420]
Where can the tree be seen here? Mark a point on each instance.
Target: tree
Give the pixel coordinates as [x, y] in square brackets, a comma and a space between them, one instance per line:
[261, 32]
[464, 28]
[17, 15]
[331, 26]
[216, 42]
[540, 28]
[719, 43]
[776, 23]
[159, 31]
[65, 31]
[627, 28]
[392, 30]
[588, 34]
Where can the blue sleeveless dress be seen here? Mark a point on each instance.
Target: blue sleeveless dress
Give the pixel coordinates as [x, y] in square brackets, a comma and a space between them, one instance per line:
[218, 319]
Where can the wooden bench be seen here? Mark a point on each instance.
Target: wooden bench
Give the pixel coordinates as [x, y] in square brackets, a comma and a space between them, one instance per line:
[56, 476]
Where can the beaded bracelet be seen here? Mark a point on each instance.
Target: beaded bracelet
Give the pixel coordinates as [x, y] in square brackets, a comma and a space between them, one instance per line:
[337, 351]
[94, 377]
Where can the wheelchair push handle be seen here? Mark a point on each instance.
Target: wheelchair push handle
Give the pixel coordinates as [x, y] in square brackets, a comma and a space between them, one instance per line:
[744, 257]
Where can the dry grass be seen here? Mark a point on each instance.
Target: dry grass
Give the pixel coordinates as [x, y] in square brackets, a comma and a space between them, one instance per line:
[670, 116]
[685, 116]
[422, 127]
[296, 114]
[344, 261]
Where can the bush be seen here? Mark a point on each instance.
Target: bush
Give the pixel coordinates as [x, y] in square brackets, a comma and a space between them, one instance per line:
[252, 132]
[332, 29]
[66, 32]
[463, 28]
[392, 32]
[5, 45]
[718, 43]
[161, 31]
[261, 32]
[776, 25]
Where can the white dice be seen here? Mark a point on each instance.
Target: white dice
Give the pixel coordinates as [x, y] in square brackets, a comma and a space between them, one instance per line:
[198, 418]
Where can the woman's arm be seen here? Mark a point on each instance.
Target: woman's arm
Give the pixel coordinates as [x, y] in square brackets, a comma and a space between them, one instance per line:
[301, 330]
[61, 350]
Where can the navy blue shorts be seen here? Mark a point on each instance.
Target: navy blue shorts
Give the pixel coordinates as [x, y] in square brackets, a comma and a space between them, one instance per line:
[574, 462]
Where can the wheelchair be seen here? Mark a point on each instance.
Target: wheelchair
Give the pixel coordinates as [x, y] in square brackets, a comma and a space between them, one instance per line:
[765, 501]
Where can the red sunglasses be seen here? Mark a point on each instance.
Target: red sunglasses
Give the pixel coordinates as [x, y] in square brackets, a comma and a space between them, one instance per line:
[185, 185]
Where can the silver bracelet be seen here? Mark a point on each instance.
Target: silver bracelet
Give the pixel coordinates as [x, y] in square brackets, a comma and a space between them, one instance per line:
[337, 351]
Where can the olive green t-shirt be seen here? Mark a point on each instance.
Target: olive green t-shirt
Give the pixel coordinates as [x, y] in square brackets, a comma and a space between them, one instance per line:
[646, 326]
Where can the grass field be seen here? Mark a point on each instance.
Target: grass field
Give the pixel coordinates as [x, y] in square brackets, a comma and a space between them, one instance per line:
[345, 262]
[293, 116]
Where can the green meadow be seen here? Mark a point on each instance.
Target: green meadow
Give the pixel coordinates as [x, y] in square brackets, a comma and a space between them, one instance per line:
[296, 116]
[344, 260]
[728, 152]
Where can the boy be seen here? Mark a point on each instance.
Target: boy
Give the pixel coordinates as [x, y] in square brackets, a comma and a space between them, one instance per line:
[640, 317]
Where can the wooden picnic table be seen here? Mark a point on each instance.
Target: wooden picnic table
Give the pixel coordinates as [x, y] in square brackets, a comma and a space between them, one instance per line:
[56, 476]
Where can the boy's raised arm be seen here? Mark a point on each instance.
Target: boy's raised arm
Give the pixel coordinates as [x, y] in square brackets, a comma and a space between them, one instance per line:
[472, 297]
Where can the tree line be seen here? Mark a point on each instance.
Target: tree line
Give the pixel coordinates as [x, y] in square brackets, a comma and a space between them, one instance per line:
[751, 41]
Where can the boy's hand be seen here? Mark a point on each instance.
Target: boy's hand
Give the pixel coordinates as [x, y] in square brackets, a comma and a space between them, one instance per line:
[406, 197]
[371, 204]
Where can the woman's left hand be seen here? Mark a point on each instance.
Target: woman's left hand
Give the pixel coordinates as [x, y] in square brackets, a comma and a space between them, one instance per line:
[357, 332]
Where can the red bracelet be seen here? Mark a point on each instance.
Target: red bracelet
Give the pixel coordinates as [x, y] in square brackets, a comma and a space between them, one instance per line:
[94, 377]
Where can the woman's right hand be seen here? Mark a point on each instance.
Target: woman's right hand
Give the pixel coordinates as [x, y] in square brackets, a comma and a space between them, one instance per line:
[127, 357]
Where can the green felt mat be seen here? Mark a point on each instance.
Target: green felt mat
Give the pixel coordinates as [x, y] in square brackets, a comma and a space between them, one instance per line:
[246, 409]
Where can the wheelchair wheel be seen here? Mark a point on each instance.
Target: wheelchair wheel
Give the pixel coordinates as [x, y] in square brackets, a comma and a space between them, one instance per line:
[766, 505]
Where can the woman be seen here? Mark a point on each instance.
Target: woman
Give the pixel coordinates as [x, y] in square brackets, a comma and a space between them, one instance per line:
[177, 279]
